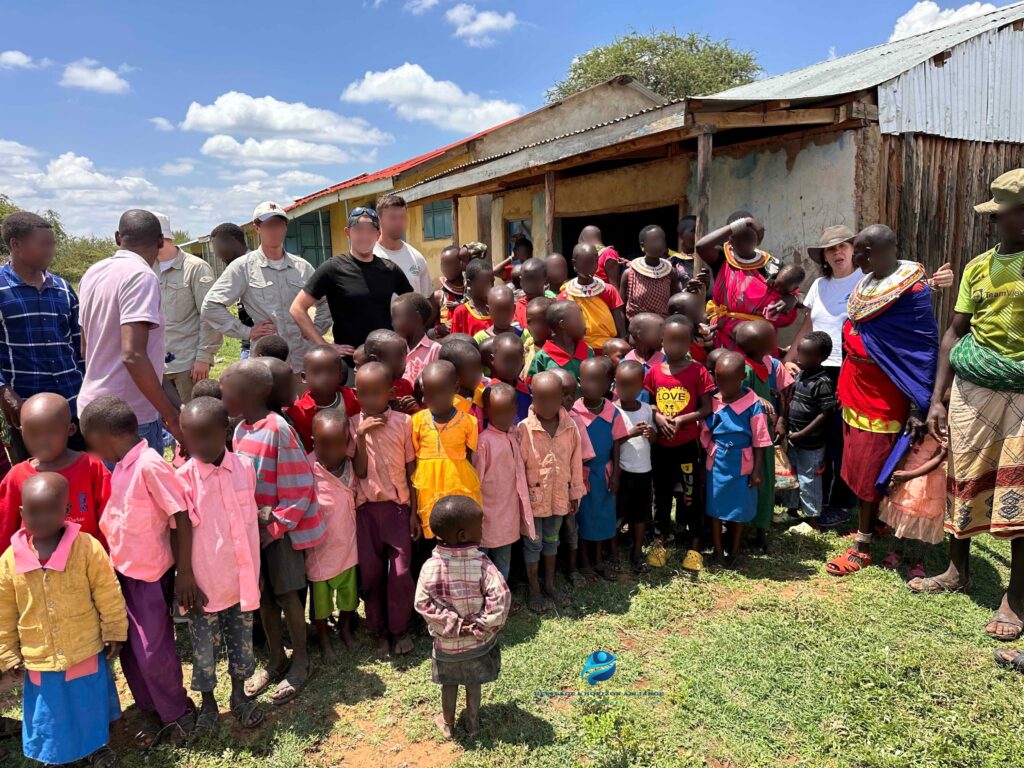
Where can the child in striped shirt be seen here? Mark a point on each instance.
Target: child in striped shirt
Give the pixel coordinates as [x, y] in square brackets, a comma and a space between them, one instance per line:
[465, 602]
[290, 522]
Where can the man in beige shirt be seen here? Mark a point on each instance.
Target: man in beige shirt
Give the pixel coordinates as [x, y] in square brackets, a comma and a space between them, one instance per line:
[266, 280]
[184, 282]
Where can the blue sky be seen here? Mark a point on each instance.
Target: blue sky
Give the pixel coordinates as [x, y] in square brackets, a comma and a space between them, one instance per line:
[203, 109]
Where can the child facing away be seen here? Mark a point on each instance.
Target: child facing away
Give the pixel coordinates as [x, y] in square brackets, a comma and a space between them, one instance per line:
[331, 564]
[410, 314]
[768, 378]
[502, 305]
[289, 523]
[507, 367]
[810, 411]
[499, 465]
[145, 496]
[635, 468]
[58, 589]
[680, 391]
[45, 428]
[387, 347]
[650, 280]
[444, 439]
[220, 491]
[474, 315]
[606, 429]
[616, 350]
[324, 372]
[465, 603]
[271, 345]
[282, 389]
[735, 437]
[787, 281]
[384, 462]
[566, 347]
[451, 294]
[916, 505]
[552, 453]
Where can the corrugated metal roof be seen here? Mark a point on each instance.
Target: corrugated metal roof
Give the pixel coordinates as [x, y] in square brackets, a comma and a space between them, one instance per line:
[867, 68]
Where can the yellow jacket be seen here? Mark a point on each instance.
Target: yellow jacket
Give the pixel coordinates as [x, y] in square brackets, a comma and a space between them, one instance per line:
[52, 618]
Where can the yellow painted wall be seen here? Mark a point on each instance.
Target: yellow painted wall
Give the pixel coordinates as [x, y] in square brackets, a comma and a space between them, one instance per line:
[431, 249]
[339, 243]
[662, 182]
[519, 203]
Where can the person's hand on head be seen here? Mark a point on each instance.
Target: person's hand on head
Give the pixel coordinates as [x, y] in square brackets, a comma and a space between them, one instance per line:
[345, 350]
[200, 371]
[262, 328]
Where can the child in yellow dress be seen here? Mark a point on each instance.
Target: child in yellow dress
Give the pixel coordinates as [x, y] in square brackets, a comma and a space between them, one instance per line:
[444, 439]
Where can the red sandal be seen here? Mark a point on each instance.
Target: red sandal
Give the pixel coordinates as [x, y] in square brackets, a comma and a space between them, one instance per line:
[849, 562]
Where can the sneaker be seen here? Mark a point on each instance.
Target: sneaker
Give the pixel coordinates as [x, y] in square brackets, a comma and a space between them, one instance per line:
[833, 517]
[657, 557]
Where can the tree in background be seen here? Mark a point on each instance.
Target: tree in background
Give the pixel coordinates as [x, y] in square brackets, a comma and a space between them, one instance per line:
[181, 236]
[672, 65]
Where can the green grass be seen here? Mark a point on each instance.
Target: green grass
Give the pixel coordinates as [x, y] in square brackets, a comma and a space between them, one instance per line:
[779, 665]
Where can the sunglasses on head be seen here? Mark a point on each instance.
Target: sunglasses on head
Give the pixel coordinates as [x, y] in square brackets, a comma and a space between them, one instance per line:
[356, 213]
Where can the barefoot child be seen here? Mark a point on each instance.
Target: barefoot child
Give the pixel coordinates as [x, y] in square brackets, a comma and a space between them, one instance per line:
[45, 428]
[474, 315]
[735, 437]
[551, 449]
[410, 314]
[324, 372]
[69, 697]
[465, 602]
[499, 464]
[606, 430]
[331, 564]
[566, 348]
[444, 439]
[452, 292]
[635, 477]
[220, 490]
[290, 523]
[144, 497]
[384, 463]
[680, 391]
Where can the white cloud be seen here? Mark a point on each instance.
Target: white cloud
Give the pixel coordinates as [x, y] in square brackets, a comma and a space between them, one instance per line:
[273, 152]
[831, 52]
[265, 116]
[90, 75]
[927, 15]
[415, 95]
[19, 60]
[162, 123]
[475, 27]
[419, 7]
[177, 168]
[242, 174]
[303, 179]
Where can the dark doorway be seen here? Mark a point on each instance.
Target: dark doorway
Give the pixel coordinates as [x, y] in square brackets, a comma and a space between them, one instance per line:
[622, 229]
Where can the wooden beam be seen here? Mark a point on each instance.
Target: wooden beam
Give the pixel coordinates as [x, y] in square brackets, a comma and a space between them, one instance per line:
[549, 212]
[723, 120]
[704, 145]
[455, 220]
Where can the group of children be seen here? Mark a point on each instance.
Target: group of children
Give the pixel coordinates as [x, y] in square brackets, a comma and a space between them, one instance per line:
[505, 426]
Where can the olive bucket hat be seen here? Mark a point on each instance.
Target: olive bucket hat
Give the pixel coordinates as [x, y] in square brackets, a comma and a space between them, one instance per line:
[840, 233]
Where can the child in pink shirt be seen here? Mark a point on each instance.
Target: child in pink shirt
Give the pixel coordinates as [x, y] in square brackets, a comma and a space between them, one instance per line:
[499, 463]
[145, 496]
[220, 490]
[331, 564]
[410, 314]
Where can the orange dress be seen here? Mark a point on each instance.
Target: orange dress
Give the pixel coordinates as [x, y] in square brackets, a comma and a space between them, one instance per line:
[442, 466]
[915, 509]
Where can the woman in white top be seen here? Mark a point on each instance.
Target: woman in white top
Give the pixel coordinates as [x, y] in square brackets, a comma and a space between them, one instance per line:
[826, 311]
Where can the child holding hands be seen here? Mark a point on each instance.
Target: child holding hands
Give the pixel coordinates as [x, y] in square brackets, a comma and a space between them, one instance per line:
[62, 623]
[465, 602]
[635, 475]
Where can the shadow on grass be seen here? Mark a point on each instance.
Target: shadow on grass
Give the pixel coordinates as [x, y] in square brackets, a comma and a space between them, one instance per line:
[506, 723]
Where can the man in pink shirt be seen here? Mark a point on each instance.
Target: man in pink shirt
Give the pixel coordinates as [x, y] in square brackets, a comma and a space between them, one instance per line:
[145, 497]
[122, 328]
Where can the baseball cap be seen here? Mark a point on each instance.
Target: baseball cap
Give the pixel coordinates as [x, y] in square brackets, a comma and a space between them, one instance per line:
[268, 210]
[831, 236]
[357, 213]
[165, 225]
[1007, 193]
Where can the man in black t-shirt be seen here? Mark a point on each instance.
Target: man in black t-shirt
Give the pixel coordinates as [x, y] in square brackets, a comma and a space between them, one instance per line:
[358, 288]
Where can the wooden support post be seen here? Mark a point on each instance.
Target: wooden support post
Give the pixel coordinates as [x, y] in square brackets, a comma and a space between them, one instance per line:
[549, 212]
[455, 220]
[703, 187]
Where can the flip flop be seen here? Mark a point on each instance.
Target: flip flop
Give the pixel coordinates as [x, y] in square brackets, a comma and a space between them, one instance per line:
[148, 735]
[931, 585]
[104, 757]
[206, 723]
[248, 714]
[1014, 662]
[262, 679]
[287, 689]
[1002, 618]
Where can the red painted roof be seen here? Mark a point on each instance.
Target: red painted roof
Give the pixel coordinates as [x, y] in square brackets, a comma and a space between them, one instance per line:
[394, 170]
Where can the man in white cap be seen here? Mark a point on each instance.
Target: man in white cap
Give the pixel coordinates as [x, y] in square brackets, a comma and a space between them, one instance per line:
[184, 282]
[266, 280]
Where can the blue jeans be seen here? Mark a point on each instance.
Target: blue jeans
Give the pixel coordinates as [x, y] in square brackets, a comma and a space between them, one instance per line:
[153, 433]
[501, 557]
[546, 543]
[807, 463]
